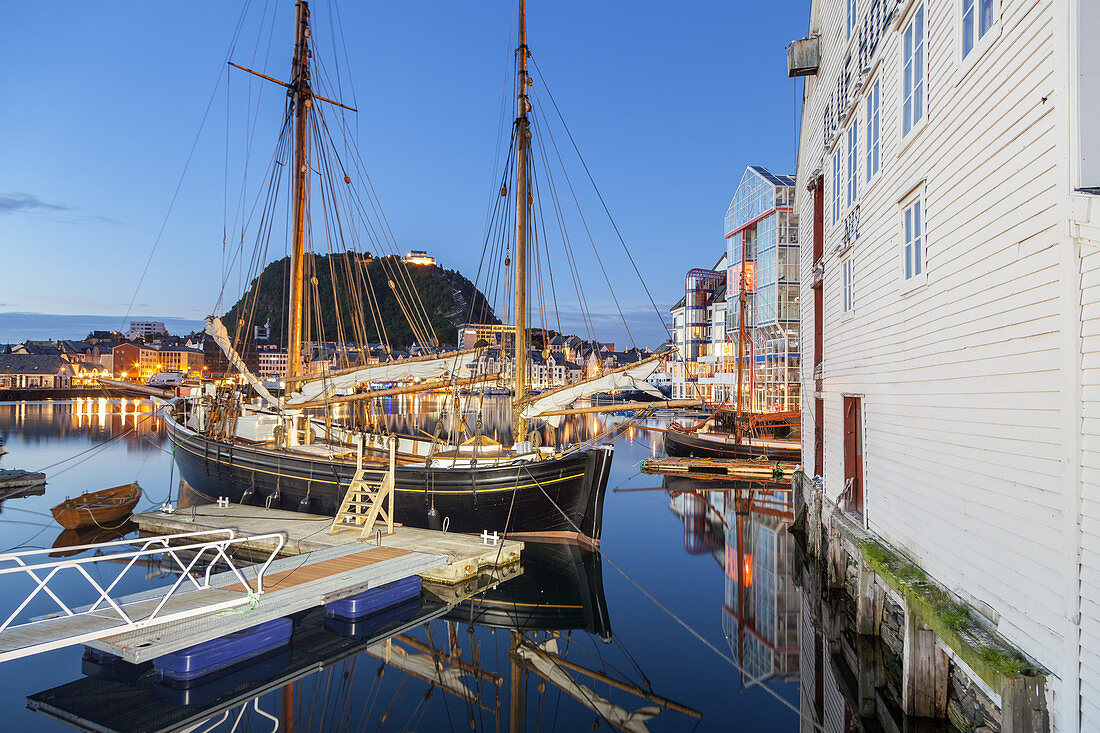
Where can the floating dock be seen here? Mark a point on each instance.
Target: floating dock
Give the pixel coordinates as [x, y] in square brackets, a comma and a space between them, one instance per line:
[12, 479]
[464, 556]
[722, 468]
[291, 584]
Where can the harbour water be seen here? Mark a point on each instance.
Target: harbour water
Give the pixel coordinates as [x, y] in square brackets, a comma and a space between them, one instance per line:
[692, 601]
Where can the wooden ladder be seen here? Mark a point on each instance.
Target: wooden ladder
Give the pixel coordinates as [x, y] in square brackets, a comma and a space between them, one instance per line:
[365, 503]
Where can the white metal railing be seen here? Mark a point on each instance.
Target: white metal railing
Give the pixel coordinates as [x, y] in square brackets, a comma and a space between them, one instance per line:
[41, 574]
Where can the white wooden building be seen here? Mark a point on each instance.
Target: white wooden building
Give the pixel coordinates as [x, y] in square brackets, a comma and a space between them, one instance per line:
[948, 172]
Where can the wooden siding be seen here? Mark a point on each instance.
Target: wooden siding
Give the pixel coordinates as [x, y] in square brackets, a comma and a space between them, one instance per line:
[969, 452]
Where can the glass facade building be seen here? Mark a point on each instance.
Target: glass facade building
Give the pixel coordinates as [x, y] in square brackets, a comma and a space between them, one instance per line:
[762, 251]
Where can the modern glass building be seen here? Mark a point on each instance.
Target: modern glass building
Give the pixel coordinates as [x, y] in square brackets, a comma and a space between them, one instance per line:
[762, 254]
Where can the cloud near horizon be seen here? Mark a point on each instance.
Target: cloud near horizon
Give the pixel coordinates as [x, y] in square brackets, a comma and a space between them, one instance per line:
[18, 202]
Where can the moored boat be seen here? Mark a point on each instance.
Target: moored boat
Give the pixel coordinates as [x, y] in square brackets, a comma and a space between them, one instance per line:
[98, 508]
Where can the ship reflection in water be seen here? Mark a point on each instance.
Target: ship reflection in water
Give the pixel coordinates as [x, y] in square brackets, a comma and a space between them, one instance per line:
[784, 627]
[522, 655]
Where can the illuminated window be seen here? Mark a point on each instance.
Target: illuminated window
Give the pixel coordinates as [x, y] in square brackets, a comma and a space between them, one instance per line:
[913, 87]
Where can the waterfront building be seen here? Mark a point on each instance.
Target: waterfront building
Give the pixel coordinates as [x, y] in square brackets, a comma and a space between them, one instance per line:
[698, 327]
[948, 172]
[761, 232]
[761, 253]
[35, 371]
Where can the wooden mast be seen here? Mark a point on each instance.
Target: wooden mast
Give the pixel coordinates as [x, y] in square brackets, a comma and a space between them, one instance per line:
[523, 136]
[300, 91]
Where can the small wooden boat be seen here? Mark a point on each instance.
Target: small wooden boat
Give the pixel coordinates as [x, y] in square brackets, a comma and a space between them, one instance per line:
[101, 508]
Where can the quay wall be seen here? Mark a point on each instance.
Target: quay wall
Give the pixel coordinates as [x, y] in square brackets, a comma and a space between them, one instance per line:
[37, 395]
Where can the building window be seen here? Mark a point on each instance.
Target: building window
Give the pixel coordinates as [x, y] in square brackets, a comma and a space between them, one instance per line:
[977, 19]
[837, 185]
[847, 284]
[872, 131]
[851, 17]
[913, 86]
[853, 163]
[913, 236]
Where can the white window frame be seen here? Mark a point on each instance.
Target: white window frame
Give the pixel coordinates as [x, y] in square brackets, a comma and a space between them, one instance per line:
[983, 39]
[913, 226]
[852, 18]
[847, 285]
[911, 124]
[852, 195]
[873, 131]
[837, 184]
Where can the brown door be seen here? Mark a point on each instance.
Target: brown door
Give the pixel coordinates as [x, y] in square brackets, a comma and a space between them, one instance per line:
[853, 453]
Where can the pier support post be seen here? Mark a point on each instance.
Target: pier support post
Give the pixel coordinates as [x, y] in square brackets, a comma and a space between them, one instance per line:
[1023, 705]
[924, 671]
[865, 600]
[814, 530]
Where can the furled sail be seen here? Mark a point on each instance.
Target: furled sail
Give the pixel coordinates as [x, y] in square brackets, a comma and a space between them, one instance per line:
[396, 371]
[216, 330]
[631, 377]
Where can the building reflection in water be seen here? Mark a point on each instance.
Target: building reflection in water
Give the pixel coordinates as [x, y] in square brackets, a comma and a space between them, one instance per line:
[745, 527]
[783, 625]
[522, 655]
[98, 419]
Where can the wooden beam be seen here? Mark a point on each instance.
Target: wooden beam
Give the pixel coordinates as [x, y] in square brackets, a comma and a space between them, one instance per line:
[622, 407]
[422, 387]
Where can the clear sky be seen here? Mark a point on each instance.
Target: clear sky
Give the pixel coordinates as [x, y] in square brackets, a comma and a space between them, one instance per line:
[668, 102]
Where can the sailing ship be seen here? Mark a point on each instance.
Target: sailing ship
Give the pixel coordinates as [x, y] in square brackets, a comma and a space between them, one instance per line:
[280, 452]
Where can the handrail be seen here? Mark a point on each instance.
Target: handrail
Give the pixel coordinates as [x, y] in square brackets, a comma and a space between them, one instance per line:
[158, 545]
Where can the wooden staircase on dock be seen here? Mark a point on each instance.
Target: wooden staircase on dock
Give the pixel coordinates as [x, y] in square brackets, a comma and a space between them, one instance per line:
[366, 503]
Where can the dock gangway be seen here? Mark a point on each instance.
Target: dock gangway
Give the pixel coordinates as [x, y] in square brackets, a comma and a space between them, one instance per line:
[192, 594]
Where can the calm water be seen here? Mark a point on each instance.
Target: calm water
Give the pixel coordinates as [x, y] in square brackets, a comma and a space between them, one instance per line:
[728, 576]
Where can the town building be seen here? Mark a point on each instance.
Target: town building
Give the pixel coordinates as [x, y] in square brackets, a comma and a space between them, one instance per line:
[948, 172]
[272, 361]
[35, 371]
[419, 257]
[146, 329]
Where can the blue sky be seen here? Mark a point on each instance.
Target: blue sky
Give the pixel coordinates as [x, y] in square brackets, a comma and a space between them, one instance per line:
[668, 102]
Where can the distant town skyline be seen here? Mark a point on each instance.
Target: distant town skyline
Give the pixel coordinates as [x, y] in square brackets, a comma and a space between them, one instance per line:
[667, 102]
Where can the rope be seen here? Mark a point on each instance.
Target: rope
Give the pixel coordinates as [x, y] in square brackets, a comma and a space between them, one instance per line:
[687, 627]
[253, 604]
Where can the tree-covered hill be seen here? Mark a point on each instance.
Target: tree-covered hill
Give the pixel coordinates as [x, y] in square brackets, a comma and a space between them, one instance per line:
[445, 296]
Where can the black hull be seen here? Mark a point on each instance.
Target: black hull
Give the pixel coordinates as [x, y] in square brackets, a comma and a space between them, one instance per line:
[685, 445]
[561, 588]
[560, 497]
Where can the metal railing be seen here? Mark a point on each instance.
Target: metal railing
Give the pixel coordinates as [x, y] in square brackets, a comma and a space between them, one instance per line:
[212, 550]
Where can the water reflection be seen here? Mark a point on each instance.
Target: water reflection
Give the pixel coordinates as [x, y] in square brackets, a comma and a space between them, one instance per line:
[96, 419]
[526, 654]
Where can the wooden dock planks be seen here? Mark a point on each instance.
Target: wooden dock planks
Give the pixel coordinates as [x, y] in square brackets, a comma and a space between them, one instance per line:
[465, 554]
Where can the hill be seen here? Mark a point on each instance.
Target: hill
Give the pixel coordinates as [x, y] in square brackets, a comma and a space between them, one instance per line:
[446, 296]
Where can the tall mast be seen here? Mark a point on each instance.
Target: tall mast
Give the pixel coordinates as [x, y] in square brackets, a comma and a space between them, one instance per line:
[301, 94]
[523, 135]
